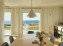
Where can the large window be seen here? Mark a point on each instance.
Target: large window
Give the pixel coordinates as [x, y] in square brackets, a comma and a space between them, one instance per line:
[31, 24]
[7, 26]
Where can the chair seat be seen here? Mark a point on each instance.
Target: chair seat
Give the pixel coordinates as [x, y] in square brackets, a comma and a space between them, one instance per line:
[11, 39]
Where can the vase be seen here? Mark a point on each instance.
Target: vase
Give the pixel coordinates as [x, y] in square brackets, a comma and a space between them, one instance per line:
[41, 43]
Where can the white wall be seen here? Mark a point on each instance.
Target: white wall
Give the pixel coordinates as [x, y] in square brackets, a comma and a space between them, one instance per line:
[17, 20]
[1, 20]
[51, 17]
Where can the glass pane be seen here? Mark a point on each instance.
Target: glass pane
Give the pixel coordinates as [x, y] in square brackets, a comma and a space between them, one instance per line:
[31, 24]
[7, 26]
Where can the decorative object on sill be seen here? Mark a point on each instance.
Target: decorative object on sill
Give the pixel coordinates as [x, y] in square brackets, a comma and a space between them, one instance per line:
[31, 13]
[40, 36]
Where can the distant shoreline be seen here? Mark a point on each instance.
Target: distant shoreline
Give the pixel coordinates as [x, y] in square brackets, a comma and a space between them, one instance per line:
[33, 24]
[24, 22]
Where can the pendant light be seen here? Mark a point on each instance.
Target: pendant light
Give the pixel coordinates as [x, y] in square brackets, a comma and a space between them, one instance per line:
[31, 13]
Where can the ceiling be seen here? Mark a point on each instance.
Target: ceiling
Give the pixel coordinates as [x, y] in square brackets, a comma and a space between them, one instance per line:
[35, 3]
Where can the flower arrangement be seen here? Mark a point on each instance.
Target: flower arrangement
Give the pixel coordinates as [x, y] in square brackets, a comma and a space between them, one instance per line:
[40, 35]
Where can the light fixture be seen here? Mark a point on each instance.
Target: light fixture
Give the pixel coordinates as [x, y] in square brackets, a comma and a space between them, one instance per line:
[31, 13]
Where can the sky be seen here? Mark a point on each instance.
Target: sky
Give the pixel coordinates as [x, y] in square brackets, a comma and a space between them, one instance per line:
[25, 17]
[7, 16]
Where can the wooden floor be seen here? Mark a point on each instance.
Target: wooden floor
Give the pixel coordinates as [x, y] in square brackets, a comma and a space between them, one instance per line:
[57, 40]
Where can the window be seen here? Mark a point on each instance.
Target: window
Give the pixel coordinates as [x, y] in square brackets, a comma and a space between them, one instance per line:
[7, 25]
[31, 24]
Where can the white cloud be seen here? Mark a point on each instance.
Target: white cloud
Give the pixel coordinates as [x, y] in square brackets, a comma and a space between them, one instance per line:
[25, 17]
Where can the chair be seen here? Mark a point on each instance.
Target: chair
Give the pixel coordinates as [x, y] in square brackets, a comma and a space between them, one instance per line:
[60, 44]
[30, 32]
[56, 31]
[5, 44]
[11, 39]
[52, 39]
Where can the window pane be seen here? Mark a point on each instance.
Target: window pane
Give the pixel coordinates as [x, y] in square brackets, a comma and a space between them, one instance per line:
[7, 26]
[31, 24]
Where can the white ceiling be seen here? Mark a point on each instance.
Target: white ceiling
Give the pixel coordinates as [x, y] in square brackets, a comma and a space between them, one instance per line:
[35, 3]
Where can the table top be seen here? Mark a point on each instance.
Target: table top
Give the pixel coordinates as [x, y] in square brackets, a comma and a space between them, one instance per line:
[28, 42]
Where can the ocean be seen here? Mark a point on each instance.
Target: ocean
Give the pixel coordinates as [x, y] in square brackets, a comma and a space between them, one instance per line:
[24, 22]
[30, 21]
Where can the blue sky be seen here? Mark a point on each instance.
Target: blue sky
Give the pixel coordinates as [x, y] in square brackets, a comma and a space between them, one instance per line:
[7, 16]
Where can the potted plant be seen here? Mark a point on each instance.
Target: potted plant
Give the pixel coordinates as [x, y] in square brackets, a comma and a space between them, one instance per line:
[40, 37]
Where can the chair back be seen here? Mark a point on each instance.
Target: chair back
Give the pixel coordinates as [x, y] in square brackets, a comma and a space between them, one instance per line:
[11, 39]
[52, 39]
[60, 44]
[30, 32]
[5, 44]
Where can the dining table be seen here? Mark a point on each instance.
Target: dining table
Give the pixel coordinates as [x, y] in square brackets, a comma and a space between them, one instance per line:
[28, 41]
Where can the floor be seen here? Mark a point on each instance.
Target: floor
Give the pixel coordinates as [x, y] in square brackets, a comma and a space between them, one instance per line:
[57, 40]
